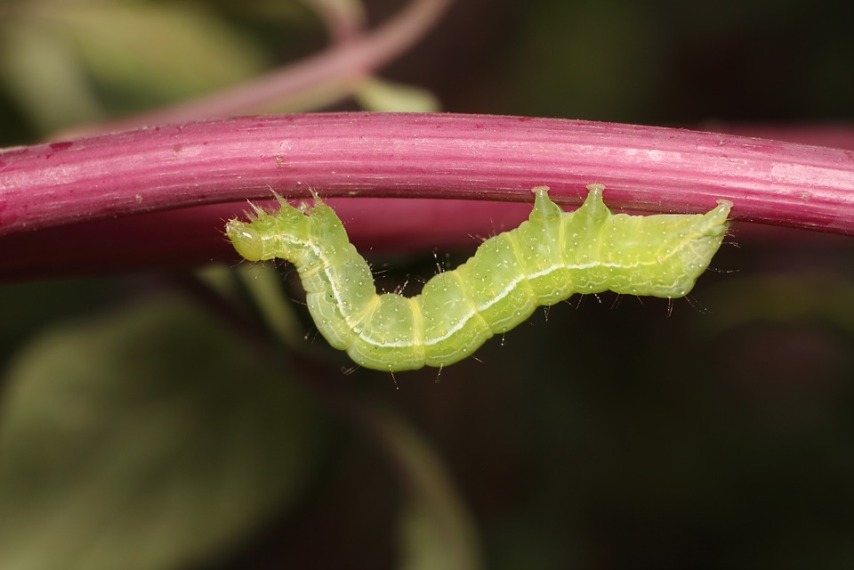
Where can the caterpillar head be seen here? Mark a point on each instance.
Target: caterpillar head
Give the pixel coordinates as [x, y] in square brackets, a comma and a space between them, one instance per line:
[268, 235]
[246, 240]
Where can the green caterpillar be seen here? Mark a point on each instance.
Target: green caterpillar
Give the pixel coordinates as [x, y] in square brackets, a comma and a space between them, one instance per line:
[547, 259]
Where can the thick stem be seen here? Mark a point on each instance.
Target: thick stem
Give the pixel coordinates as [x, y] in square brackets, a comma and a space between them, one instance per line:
[398, 155]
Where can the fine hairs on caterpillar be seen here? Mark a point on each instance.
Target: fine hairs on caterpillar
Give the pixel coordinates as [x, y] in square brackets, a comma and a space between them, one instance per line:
[548, 258]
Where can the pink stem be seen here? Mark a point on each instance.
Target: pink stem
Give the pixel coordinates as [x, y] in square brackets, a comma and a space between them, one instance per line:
[392, 155]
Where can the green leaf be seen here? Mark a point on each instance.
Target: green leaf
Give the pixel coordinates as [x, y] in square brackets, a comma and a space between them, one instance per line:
[167, 50]
[35, 65]
[376, 94]
[436, 529]
[146, 439]
[117, 56]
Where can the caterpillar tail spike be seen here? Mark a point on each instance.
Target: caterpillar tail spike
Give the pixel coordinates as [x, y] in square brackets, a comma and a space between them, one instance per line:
[547, 259]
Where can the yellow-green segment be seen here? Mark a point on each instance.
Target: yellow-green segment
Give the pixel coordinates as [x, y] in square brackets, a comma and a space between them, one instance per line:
[548, 258]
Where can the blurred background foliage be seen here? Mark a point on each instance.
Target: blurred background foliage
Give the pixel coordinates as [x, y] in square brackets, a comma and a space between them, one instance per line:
[144, 424]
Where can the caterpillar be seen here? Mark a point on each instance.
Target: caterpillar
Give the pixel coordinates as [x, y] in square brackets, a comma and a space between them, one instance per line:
[548, 258]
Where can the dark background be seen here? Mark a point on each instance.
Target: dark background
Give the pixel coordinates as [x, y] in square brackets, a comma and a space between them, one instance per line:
[715, 431]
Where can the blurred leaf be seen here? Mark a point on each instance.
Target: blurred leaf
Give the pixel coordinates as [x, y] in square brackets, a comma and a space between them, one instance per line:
[28, 306]
[36, 64]
[437, 532]
[141, 54]
[167, 49]
[146, 439]
[265, 285]
[379, 95]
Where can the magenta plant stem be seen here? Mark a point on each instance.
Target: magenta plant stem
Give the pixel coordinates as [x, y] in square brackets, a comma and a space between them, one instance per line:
[419, 155]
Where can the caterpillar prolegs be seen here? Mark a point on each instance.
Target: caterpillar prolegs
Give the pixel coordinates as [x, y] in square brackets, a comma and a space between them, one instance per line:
[548, 258]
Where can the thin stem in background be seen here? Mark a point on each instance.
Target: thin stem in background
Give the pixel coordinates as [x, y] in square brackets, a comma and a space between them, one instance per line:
[349, 60]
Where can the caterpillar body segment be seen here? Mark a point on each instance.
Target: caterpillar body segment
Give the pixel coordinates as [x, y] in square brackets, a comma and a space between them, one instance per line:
[547, 259]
